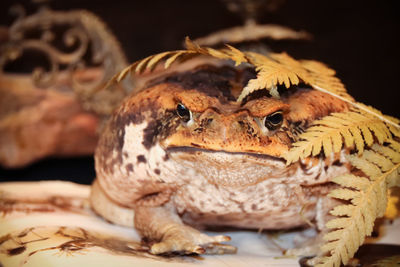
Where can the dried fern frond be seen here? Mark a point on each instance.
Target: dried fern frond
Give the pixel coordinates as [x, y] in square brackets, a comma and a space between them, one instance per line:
[368, 201]
[276, 69]
[273, 70]
[331, 133]
[149, 63]
[392, 122]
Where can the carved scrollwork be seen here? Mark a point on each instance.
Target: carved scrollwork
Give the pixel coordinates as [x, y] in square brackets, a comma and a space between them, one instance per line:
[73, 42]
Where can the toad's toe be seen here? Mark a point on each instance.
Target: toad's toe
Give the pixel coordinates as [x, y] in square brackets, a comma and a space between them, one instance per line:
[187, 240]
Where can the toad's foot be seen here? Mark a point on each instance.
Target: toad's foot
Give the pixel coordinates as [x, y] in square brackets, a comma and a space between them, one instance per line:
[307, 248]
[310, 249]
[306, 251]
[187, 240]
[163, 225]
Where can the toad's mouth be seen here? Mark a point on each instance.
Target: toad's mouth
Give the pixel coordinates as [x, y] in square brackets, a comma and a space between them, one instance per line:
[229, 168]
[238, 169]
[227, 154]
[227, 142]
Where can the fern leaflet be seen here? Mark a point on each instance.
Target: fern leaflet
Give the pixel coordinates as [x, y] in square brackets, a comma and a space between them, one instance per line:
[329, 134]
[276, 69]
[368, 201]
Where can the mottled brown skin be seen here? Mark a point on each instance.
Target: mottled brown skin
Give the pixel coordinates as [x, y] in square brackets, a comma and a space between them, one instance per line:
[222, 166]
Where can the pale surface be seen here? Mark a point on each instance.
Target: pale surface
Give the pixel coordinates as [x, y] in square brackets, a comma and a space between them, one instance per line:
[53, 218]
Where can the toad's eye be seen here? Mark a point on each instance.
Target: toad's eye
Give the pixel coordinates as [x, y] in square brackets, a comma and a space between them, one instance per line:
[183, 112]
[273, 121]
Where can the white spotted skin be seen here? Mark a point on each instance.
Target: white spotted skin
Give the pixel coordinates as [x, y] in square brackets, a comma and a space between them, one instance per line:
[124, 185]
[219, 188]
[133, 149]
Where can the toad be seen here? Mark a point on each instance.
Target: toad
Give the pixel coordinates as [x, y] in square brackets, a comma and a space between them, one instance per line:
[181, 153]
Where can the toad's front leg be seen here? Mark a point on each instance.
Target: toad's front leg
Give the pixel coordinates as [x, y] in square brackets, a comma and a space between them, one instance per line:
[163, 225]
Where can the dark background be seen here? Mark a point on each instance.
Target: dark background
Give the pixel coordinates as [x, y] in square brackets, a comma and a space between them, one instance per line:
[356, 38]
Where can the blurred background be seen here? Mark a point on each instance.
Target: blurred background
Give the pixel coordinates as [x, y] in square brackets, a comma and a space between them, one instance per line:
[356, 38]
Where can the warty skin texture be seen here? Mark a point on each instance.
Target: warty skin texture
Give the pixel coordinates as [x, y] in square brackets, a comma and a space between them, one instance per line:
[218, 166]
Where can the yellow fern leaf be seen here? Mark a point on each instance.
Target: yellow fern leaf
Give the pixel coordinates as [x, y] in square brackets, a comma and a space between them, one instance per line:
[351, 181]
[293, 65]
[394, 123]
[331, 84]
[141, 65]
[368, 201]
[173, 58]
[273, 70]
[368, 167]
[383, 163]
[317, 67]
[349, 129]
[156, 58]
[342, 210]
[392, 152]
[394, 130]
[394, 145]
[280, 68]
[231, 53]
[236, 55]
[149, 63]
[192, 46]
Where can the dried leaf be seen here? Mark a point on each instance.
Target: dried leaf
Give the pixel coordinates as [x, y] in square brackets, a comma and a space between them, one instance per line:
[368, 197]
[338, 130]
